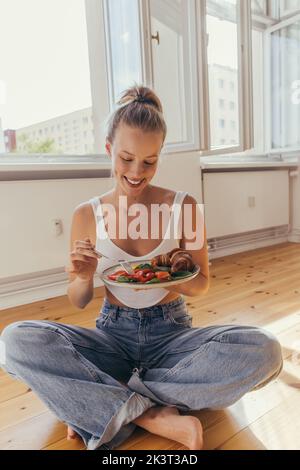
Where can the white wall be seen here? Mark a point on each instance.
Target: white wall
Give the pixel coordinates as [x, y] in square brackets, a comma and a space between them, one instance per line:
[27, 243]
[27, 208]
[240, 202]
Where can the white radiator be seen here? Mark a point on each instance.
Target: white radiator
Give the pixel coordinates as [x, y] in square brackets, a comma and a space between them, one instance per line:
[237, 202]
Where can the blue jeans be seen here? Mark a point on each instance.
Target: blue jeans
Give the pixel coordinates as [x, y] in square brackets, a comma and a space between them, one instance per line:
[162, 359]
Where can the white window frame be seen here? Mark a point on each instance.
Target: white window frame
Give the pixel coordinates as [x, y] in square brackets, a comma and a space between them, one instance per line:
[99, 81]
[245, 82]
[288, 13]
[194, 141]
[267, 80]
[274, 11]
[109, 67]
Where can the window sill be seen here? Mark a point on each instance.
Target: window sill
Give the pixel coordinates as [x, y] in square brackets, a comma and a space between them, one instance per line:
[13, 169]
[244, 162]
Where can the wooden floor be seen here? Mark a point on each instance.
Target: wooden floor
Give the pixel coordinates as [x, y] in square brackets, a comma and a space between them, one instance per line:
[260, 288]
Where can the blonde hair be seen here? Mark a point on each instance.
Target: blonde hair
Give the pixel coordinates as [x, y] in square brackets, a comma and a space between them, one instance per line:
[139, 107]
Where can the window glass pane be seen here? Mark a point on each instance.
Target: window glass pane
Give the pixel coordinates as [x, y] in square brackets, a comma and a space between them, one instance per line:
[223, 72]
[285, 87]
[171, 65]
[46, 104]
[288, 6]
[259, 7]
[124, 42]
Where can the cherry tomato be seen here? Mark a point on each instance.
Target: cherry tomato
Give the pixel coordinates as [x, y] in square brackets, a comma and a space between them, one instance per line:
[162, 275]
[150, 275]
[147, 271]
[114, 275]
[120, 273]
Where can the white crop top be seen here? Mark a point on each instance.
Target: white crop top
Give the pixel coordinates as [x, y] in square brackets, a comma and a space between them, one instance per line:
[130, 297]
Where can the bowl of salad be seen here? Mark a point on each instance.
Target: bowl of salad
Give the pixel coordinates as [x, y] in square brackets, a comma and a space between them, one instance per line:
[146, 276]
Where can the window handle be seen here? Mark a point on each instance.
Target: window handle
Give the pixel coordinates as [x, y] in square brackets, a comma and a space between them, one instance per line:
[156, 36]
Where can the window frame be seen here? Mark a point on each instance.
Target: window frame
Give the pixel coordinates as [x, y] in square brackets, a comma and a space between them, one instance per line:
[100, 104]
[194, 143]
[267, 89]
[245, 83]
[109, 67]
[288, 13]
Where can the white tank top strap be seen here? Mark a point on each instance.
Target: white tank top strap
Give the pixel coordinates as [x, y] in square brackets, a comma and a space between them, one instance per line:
[101, 232]
[180, 196]
[95, 203]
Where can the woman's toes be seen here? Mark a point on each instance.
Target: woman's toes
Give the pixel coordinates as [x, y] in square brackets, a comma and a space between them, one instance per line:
[71, 434]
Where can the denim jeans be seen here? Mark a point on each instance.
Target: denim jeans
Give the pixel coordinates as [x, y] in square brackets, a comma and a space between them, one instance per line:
[155, 352]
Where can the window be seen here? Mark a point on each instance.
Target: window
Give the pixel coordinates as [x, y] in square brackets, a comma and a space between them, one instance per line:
[55, 85]
[222, 29]
[168, 31]
[109, 46]
[123, 36]
[175, 56]
[283, 47]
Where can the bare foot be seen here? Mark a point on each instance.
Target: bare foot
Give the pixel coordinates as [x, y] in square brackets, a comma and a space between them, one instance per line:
[71, 434]
[167, 422]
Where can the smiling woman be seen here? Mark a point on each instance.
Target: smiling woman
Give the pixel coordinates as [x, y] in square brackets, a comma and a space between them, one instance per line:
[143, 361]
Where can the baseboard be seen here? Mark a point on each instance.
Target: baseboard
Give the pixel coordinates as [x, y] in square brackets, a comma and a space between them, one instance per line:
[32, 287]
[237, 243]
[294, 236]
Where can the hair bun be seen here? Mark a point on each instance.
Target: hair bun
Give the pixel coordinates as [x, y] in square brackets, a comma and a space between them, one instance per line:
[142, 99]
[138, 107]
[140, 94]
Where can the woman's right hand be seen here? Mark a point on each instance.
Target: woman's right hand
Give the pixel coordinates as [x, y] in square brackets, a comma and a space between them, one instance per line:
[83, 259]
